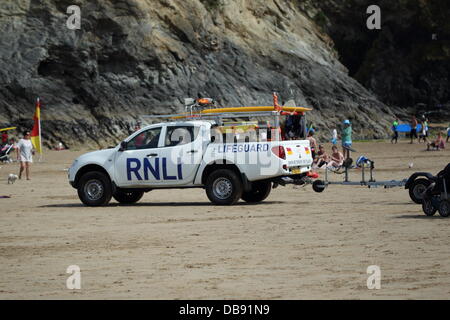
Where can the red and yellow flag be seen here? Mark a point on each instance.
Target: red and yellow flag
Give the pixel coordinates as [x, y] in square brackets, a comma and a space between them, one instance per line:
[36, 131]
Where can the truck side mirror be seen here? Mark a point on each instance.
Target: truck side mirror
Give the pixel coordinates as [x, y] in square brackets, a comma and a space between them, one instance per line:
[123, 146]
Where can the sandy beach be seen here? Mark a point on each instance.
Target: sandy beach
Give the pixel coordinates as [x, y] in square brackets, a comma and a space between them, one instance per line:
[176, 245]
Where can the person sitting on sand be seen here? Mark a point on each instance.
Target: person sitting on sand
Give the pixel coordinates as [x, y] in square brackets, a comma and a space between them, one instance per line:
[437, 144]
[12, 143]
[337, 158]
[322, 158]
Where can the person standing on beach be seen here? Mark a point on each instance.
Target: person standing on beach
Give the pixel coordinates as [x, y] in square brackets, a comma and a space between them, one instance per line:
[423, 134]
[413, 132]
[426, 126]
[346, 138]
[448, 133]
[25, 153]
[312, 142]
[334, 137]
[395, 130]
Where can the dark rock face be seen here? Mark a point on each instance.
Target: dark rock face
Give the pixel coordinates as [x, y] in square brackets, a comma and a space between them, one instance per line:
[407, 62]
[132, 58]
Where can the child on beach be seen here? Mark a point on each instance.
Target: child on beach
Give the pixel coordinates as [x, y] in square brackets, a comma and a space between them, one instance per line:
[334, 137]
[437, 144]
[337, 158]
[322, 158]
[423, 135]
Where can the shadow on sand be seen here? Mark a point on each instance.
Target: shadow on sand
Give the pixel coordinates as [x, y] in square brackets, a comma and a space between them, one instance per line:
[157, 204]
[420, 217]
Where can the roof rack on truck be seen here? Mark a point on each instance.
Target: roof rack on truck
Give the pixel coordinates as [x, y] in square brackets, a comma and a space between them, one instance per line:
[206, 109]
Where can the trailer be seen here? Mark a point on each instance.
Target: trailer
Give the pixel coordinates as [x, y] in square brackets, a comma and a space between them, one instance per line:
[321, 185]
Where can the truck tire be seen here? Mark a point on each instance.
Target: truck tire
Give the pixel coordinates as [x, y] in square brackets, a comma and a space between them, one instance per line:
[417, 188]
[223, 187]
[260, 191]
[128, 197]
[94, 189]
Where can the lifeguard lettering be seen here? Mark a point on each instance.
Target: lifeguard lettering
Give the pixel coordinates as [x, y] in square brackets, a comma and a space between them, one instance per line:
[235, 148]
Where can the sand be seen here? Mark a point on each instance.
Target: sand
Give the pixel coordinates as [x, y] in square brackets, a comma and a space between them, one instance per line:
[176, 245]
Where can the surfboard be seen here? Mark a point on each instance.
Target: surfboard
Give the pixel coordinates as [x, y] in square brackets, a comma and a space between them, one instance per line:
[6, 129]
[405, 127]
[242, 109]
[254, 109]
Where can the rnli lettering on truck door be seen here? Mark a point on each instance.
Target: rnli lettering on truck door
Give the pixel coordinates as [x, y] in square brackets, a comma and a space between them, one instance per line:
[158, 169]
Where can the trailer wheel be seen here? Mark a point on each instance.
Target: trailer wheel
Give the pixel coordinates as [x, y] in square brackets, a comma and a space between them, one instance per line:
[417, 189]
[318, 186]
[444, 208]
[428, 208]
[223, 187]
[128, 197]
[94, 189]
[260, 191]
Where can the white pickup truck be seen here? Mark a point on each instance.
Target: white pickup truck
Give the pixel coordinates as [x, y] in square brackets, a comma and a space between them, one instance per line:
[188, 154]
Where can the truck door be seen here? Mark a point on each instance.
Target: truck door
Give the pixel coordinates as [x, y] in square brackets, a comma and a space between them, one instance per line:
[182, 154]
[139, 164]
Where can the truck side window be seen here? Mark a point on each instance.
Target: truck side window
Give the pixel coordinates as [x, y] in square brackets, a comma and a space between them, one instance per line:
[179, 135]
[145, 140]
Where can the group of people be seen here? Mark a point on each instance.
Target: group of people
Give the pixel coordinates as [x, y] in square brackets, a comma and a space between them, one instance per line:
[336, 159]
[325, 160]
[24, 151]
[423, 135]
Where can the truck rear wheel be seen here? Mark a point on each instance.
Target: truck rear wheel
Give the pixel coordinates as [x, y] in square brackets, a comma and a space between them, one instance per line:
[260, 191]
[128, 197]
[223, 187]
[94, 189]
[417, 190]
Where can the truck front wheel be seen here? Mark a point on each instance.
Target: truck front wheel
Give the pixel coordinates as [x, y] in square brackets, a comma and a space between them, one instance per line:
[94, 189]
[260, 191]
[223, 187]
[128, 197]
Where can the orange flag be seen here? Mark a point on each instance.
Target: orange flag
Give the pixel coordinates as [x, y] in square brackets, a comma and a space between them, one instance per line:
[36, 131]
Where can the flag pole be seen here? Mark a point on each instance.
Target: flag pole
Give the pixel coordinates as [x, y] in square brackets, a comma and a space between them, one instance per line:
[39, 124]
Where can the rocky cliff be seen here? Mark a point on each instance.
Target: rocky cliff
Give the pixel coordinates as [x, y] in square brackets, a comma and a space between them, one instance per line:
[407, 62]
[136, 57]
